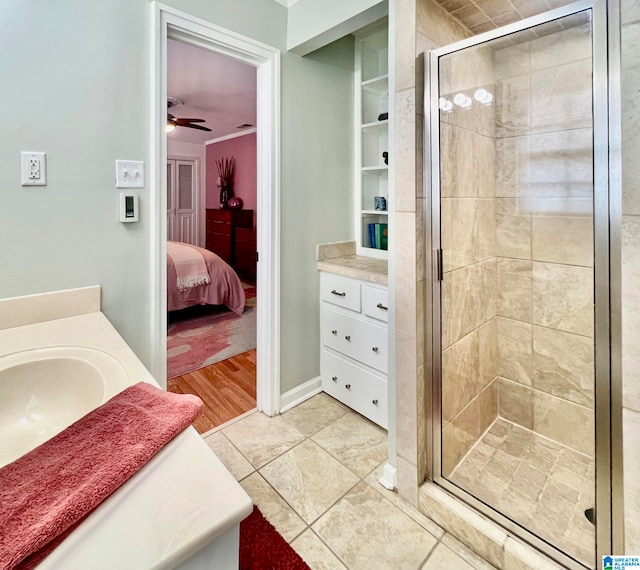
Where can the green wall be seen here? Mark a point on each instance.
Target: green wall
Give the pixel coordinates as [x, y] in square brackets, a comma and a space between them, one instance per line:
[76, 84]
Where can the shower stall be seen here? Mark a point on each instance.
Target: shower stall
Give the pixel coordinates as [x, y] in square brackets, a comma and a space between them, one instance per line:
[519, 228]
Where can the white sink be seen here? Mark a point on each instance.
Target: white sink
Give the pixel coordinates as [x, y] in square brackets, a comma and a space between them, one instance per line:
[44, 390]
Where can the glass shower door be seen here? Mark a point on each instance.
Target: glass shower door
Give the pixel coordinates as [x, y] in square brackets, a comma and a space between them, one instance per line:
[513, 206]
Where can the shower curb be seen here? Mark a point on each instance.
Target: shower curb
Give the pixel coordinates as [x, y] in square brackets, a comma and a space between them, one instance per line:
[497, 546]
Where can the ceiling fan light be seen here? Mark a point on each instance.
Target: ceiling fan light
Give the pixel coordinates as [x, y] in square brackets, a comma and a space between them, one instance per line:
[169, 127]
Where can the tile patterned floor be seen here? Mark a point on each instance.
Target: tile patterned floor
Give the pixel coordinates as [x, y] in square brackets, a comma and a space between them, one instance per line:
[314, 472]
[542, 485]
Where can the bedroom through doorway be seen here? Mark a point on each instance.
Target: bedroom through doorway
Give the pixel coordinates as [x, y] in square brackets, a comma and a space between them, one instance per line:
[211, 231]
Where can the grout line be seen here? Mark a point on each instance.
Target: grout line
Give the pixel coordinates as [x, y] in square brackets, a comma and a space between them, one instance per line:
[360, 480]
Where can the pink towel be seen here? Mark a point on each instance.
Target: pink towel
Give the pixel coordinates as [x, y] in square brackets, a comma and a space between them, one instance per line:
[46, 493]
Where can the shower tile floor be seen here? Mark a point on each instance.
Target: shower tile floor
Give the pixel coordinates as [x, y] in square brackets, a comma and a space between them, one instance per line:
[538, 483]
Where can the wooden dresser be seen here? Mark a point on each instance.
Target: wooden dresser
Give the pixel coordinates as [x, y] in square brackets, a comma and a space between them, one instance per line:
[245, 253]
[223, 239]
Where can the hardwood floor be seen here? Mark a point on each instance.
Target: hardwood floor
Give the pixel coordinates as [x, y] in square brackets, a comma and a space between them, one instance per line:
[227, 388]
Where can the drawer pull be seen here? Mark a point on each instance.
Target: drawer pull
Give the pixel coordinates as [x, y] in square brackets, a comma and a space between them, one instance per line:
[347, 386]
[381, 306]
[334, 378]
[348, 337]
[374, 402]
[334, 292]
[334, 332]
[374, 348]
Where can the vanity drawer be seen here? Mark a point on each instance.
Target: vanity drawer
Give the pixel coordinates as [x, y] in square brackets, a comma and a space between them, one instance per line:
[352, 336]
[375, 302]
[339, 291]
[358, 388]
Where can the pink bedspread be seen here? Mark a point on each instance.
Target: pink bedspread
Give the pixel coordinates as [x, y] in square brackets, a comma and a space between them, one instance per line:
[225, 287]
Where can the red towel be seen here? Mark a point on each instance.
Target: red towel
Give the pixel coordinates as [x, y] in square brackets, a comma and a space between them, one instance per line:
[46, 493]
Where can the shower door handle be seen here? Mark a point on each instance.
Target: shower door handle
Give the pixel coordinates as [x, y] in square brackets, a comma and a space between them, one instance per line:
[437, 265]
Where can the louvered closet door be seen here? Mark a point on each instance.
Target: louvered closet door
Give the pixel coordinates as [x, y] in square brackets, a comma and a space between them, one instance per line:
[171, 211]
[181, 201]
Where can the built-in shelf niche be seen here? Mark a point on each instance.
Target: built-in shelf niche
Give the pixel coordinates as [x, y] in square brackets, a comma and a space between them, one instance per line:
[372, 135]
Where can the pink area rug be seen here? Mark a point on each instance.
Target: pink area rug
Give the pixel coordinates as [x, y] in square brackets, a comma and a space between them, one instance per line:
[203, 335]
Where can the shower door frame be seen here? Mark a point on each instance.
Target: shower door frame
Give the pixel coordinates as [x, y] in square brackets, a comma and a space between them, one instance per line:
[606, 222]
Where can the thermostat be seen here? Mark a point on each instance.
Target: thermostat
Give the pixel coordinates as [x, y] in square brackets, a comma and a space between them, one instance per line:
[128, 206]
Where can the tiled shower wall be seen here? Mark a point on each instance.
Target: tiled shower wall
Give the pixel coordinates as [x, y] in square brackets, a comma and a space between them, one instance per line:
[419, 26]
[468, 230]
[631, 270]
[544, 238]
[516, 193]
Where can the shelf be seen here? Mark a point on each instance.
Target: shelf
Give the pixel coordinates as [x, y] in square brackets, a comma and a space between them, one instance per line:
[376, 85]
[373, 252]
[372, 137]
[376, 126]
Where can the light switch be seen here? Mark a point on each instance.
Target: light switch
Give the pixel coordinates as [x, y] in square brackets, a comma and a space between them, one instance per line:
[33, 168]
[129, 174]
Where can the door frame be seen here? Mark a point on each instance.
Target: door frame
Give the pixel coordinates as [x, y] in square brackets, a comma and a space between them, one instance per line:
[169, 23]
[607, 410]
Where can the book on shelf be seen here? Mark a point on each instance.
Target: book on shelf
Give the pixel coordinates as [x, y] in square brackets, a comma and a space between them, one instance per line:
[379, 236]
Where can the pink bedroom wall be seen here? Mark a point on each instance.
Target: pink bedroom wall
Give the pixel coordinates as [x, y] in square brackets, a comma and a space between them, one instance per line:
[243, 149]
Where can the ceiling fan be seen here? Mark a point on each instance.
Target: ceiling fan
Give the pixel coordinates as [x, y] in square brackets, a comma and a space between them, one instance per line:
[173, 121]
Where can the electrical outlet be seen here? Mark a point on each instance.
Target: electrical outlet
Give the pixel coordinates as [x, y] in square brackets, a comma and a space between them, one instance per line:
[33, 168]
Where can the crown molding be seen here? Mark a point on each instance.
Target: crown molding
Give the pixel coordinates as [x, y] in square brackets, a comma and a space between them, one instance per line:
[232, 136]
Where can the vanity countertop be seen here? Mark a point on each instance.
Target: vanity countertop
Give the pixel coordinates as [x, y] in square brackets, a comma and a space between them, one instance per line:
[340, 258]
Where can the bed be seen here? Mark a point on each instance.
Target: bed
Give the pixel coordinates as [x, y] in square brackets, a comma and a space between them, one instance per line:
[225, 287]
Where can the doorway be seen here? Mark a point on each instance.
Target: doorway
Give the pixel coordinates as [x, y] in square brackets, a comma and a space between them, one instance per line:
[173, 24]
[211, 335]
[519, 227]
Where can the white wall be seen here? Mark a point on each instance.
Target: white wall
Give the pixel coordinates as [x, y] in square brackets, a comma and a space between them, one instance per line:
[313, 24]
[180, 149]
[87, 105]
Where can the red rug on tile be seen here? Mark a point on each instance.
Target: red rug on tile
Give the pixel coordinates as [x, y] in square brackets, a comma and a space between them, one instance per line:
[263, 548]
[203, 335]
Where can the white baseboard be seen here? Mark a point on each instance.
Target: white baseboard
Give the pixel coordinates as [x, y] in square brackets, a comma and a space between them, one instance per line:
[389, 479]
[300, 393]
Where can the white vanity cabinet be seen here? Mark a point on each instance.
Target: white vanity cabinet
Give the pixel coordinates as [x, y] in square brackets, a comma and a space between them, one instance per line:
[354, 336]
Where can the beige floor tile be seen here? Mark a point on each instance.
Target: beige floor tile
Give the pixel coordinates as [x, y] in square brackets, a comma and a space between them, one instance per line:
[443, 557]
[233, 460]
[309, 479]
[316, 413]
[273, 507]
[316, 553]
[425, 522]
[366, 531]
[261, 438]
[354, 441]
